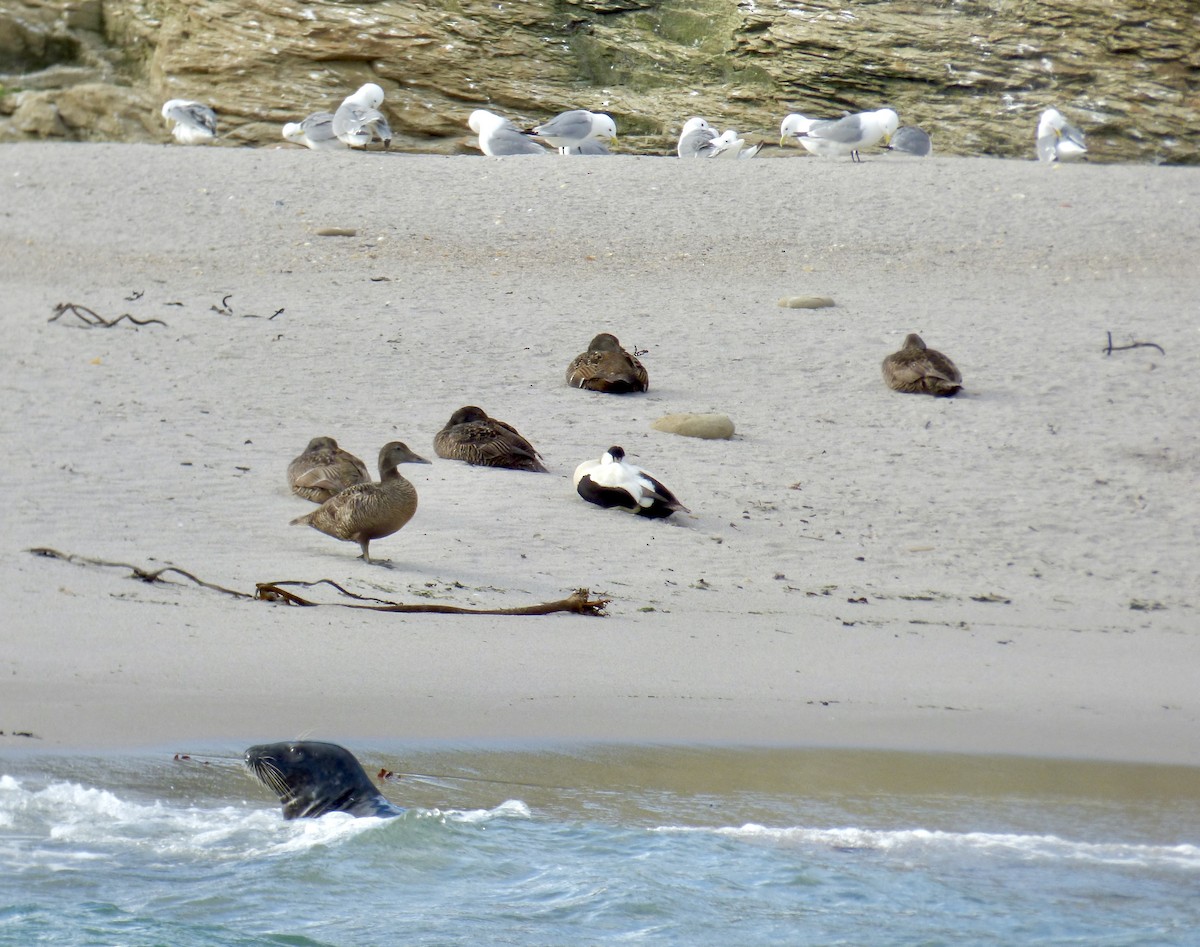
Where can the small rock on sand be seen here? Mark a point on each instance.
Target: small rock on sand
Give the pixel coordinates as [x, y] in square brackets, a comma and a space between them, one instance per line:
[710, 426]
[805, 302]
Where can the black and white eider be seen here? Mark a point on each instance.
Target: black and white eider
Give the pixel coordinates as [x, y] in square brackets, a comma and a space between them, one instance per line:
[610, 481]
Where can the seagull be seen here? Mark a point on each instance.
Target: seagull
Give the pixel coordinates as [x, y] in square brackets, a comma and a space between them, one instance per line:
[588, 147]
[1058, 139]
[728, 145]
[840, 136]
[499, 138]
[610, 481]
[315, 132]
[696, 139]
[192, 122]
[573, 128]
[911, 140]
[358, 121]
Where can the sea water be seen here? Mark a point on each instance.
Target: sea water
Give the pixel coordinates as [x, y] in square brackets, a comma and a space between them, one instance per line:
[605, 845]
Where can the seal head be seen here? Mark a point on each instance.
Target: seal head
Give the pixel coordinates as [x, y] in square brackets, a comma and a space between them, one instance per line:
[313, 778]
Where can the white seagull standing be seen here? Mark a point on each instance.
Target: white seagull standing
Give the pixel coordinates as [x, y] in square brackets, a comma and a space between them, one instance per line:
[315, 132]
[610, 481]
[840, 136]
[500, 138]
[192, 122]
[358, 120]
[1058, 139]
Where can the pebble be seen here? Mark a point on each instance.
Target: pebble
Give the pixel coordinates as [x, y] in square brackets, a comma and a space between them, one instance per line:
[806, 302]
[709, 426]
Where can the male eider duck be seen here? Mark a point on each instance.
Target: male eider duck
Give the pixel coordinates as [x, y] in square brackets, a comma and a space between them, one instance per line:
[367, 511]
[325, 469]
[610, 481]
[916, 368]
[471, 436]
[605, 366]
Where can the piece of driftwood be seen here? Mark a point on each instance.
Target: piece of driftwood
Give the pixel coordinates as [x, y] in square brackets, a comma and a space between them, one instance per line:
[226, 309]
[578, 602]
[138, 572]
[1110, 348]
[92, 320]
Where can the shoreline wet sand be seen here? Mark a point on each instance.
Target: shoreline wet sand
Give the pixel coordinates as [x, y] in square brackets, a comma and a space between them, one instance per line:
[1012, 571]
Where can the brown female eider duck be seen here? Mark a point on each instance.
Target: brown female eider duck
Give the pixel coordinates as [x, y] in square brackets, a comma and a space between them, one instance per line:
[605, 366]
[471, 436]
[922, 370]
[610, 481]
[325, 469]
[367, 511]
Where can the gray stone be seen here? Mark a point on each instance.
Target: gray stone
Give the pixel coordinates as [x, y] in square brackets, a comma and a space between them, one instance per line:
[707, 426]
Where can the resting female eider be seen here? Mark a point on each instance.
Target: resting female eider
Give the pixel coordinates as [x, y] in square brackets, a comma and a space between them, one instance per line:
[325, 469]
[605, 366]
[921, 370]
[367, 511]
[471, 436]
[610, 481]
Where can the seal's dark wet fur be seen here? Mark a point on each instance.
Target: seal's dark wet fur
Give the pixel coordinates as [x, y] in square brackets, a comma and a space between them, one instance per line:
[313, 778]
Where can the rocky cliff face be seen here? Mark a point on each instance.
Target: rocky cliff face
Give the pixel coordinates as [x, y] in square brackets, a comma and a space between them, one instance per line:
[974, 74]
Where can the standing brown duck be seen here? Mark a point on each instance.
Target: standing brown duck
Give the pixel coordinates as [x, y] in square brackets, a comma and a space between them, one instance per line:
[471, 436]
[605, 366]
[922, 370]
[325, 469]
[367, 511]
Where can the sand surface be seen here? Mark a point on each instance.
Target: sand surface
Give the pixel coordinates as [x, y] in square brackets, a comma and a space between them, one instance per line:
[1015, 570]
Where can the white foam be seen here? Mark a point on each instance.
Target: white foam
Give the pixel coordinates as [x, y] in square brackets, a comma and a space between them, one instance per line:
[510, 809]
[910, 842]
[85, 819]
[65, 824]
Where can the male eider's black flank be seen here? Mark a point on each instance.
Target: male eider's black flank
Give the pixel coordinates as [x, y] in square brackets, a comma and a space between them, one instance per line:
[369, 511]
[605, 366]
[918, 369]
[473, 437]
[611, 482]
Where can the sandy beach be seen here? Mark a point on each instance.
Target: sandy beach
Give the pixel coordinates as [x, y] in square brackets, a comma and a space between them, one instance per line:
[1014, 571]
